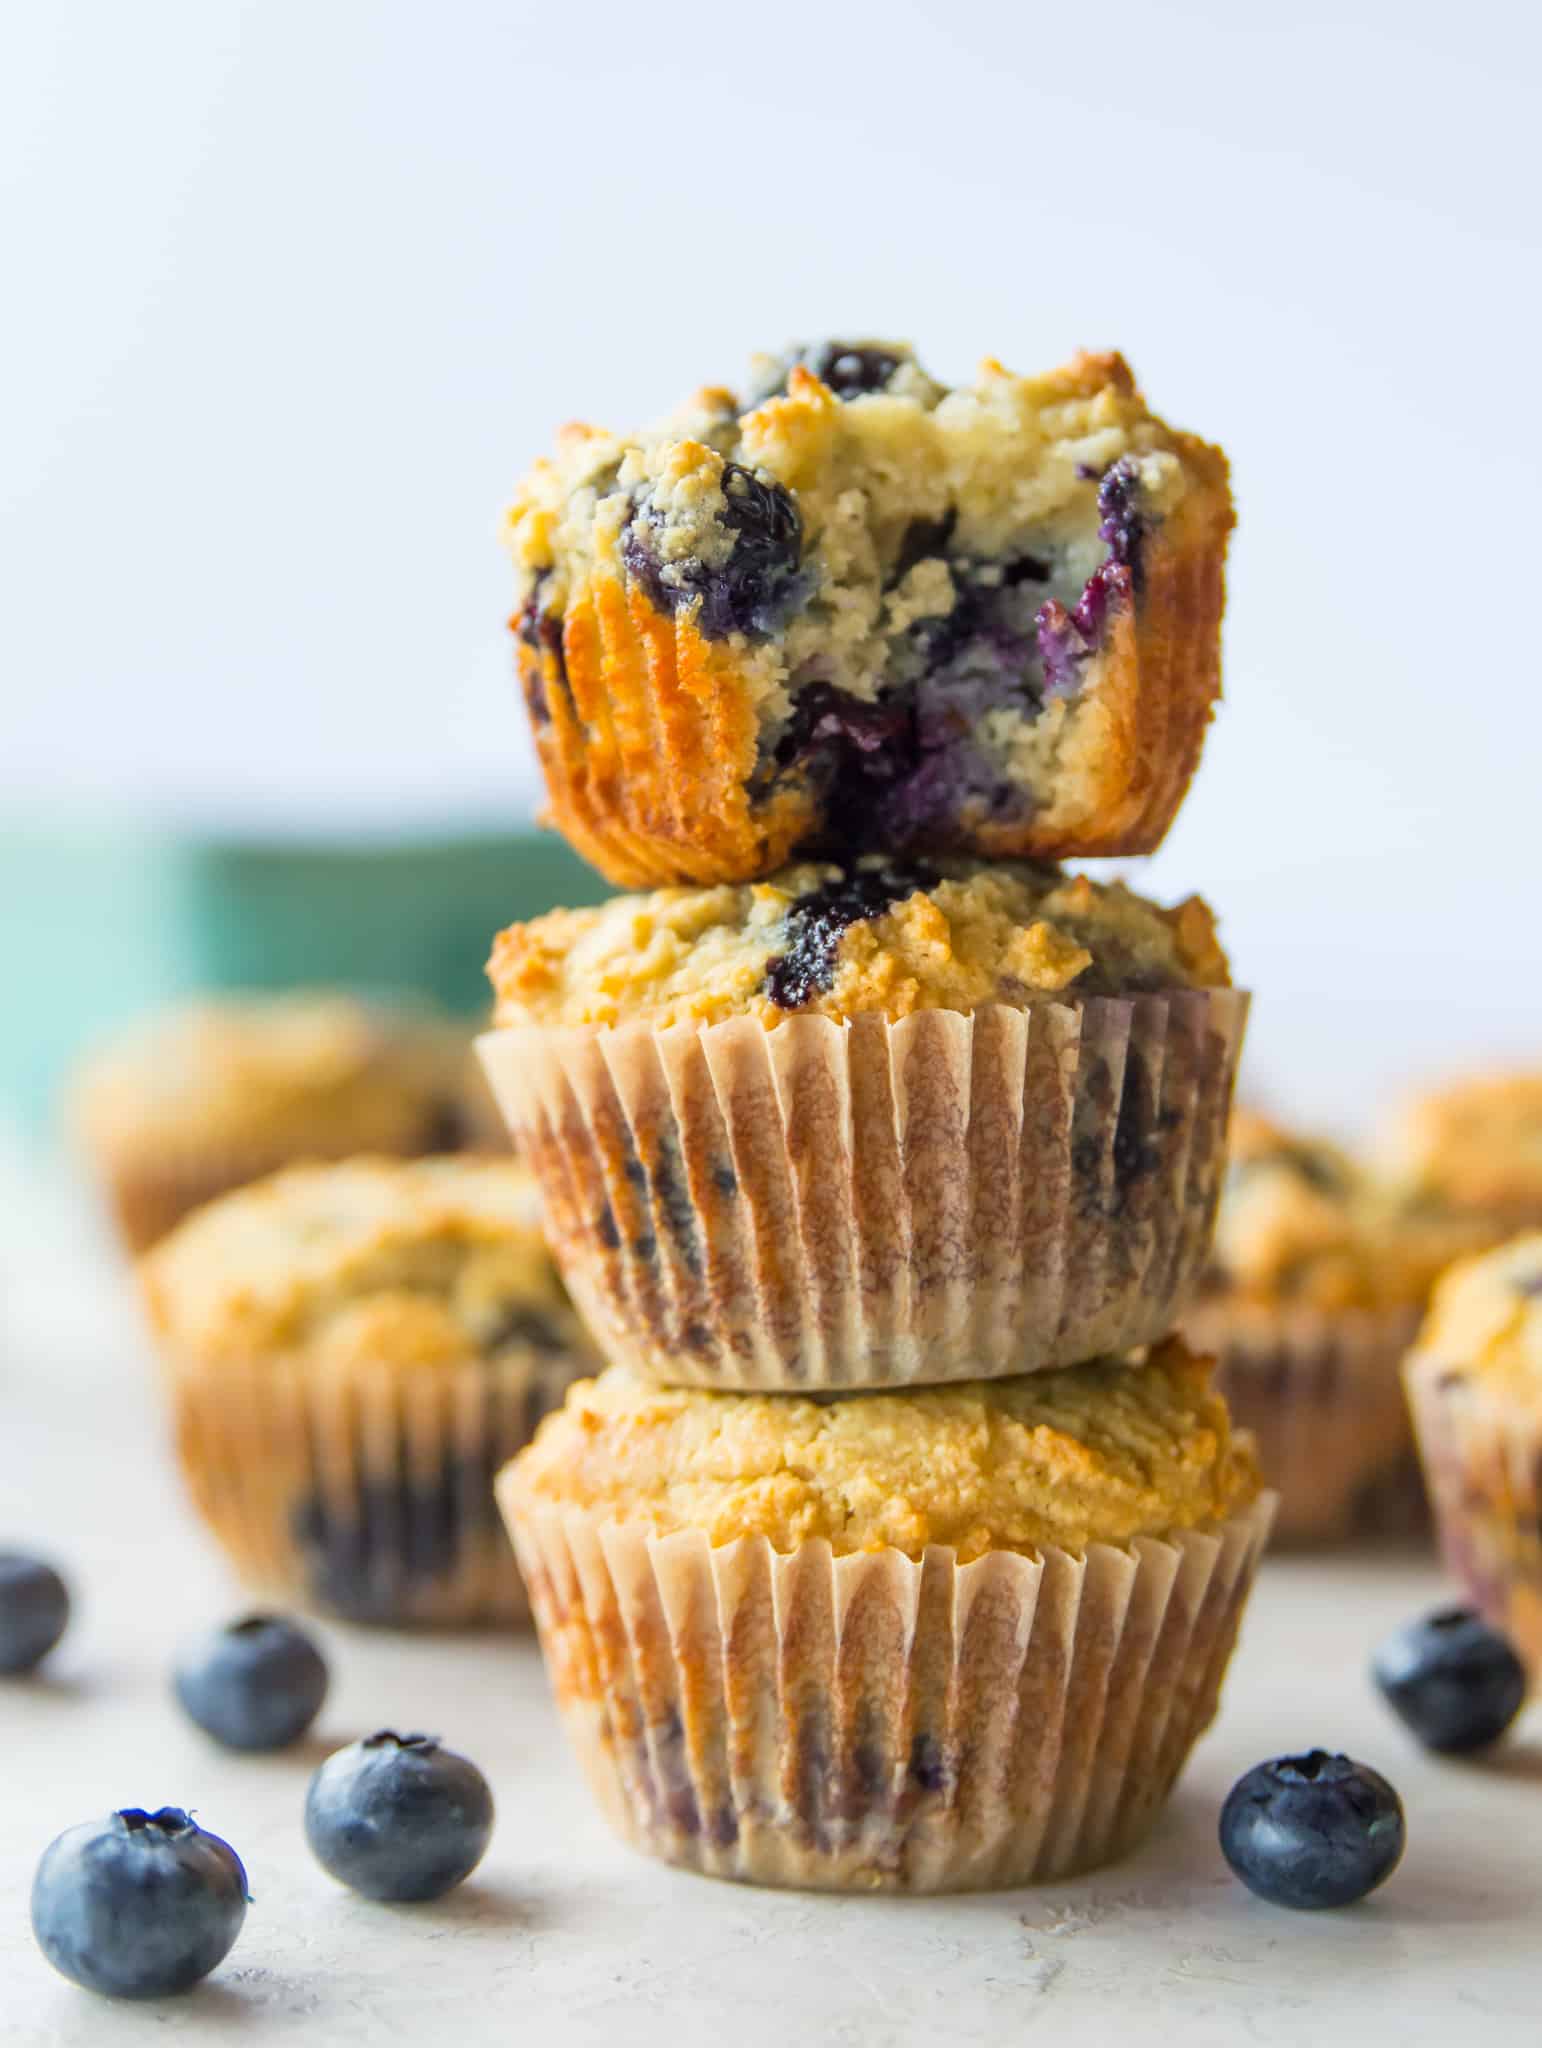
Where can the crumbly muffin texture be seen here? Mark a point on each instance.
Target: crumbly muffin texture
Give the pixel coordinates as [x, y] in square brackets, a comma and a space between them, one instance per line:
[922, 598]
[418, 1262]
[1303, 1223]
[1486, 1320]
[1476, 1145]
[293, 1074]
[874, 936]
[1098, 1453]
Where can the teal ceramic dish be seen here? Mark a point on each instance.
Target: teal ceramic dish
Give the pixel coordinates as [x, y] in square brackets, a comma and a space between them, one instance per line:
[100, 929]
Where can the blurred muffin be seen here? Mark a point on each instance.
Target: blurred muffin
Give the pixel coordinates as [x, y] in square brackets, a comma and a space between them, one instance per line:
[1475, 1386]
[1473, 1148]
[352, 1350]
[927, 1641]
[872, 1124]
[860, 612]
[209, 1097]
[1314, 1294]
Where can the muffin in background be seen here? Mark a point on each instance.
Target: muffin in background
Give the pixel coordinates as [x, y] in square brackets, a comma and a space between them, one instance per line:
[219, 1093]
[871, 1125]
[1475, 1387]
[351, 1352]
[1471, 1149]
[1315, 1290]
[936, 1640]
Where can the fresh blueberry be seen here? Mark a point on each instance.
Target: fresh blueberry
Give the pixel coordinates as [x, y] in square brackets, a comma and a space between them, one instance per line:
[253, 1684]
[34, 1610]
[397, 1817]
[1313, 1830]
[139, 1904]
[1452, 1679]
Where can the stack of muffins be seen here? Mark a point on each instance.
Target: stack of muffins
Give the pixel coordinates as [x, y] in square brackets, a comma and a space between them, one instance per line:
[901, 1545]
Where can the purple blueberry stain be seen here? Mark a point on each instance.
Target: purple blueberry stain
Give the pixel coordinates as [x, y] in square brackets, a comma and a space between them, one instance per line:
[762, 582]
[817, 921]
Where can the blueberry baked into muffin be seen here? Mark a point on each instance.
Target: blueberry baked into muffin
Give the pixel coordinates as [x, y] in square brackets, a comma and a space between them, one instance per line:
[221, 1092]
[921, 1641]
[352, 1351]
[1475, 1386]
[871, 1124]
[854, 610]
[1314, 1292]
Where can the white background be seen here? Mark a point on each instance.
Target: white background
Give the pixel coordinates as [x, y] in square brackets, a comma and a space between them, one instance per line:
[293, 291]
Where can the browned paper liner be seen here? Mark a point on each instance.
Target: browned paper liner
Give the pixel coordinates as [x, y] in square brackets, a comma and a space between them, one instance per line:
[870, 1723]
[829, 1205]
[1482, 1457]
[368, 1493]
[1321, 1392]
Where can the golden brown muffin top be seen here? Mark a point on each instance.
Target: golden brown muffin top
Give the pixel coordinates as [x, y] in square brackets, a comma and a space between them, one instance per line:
[283, 1073]
[884, 937]
[1486, 1319]
[1474, 1145]
[1005, 462]
[410, 1262]
[1098, 1453]
[1303, 1222]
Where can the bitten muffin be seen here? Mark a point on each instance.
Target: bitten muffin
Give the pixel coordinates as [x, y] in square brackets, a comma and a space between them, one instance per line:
[871, 1125]
[930, 1641]
[1315, 1290]
[220, 1093]
[1473, 1148]
[1475, 1387]
[858, 611]
[352, 1350]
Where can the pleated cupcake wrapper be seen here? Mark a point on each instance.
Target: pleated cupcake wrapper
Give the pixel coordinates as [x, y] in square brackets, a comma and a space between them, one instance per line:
[873, 1723]
[1482, 1457]
[368, 1493]
[1322, 1393]
[827, 1206]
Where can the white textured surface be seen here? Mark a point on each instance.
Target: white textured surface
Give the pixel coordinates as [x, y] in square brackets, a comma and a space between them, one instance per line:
[564, 1937]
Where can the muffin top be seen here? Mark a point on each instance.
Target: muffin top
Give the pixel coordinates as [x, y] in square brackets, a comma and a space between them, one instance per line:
[875, 936]
[1303, 1222]
[847, 499]
[1486, 1319]
[411, 1262]
[286, 1073]
[1098, 1453]
[1476, 1145]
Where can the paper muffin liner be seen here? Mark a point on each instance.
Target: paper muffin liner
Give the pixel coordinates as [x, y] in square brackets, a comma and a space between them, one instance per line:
[874, 1723]
[1321, 1392]
[871, 1204]
[368, 1493]
[1482, 1457]
[652, 748]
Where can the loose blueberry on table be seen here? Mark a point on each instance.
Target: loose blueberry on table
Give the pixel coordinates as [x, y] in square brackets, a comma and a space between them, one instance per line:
[1452, 1679]
[34, 1611]
[138, 1905]
[1312, 1831]
[397, 1817]
[257, 1683]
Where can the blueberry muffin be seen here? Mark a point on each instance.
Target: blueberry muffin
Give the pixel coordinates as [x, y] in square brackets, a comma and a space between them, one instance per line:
[1314, 1292]
[927, 1641]
[871, 1124]
[209, 1097]
[1472, 1149]
[856, 611]
[352, 1350]
[1475, 1386]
